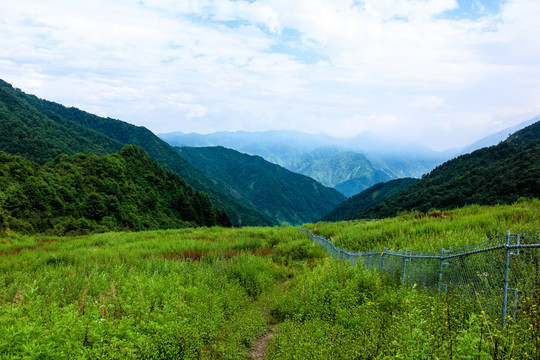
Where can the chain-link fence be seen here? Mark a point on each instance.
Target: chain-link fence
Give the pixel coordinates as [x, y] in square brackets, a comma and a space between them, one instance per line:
[501, 275]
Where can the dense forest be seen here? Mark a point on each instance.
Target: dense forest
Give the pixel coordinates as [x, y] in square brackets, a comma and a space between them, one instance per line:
[40, 130]
[284, 196]
[498, 174]
[87, 193]
[367, 199]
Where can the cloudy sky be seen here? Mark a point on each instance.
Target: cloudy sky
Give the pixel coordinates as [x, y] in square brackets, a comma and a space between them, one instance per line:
[443, 72]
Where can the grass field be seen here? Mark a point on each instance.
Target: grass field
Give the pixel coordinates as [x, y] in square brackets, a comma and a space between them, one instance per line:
[210, 293]
[434, 230]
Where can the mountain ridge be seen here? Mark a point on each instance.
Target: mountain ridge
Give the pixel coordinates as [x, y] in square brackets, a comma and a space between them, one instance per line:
[290, 149]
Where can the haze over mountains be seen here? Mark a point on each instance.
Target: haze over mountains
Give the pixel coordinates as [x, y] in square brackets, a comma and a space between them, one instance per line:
[499, 174]
[498, 137]
[348, 165]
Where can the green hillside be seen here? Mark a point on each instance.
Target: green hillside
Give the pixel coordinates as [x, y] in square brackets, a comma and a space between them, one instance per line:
[279, 193]
[88, 193]
[40, 130]
[28, 132]
[367, 199]
[495, 175]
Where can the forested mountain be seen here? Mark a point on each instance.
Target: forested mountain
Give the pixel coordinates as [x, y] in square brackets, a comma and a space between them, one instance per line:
[498, 174]
[87, 193]
[40, 130]
[348, 165]
[367, 199]
[281, 194]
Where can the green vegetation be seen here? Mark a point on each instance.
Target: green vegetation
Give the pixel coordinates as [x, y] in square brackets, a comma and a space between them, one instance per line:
[335, 311]
[26, 131]
[211, 292]
[194, 293]
[40, 130]
[90, 193]
[496, 175]
[349, 165]
[284, 196]
[367, 199]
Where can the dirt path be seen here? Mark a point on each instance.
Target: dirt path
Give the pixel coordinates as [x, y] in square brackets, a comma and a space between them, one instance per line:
[258, 349]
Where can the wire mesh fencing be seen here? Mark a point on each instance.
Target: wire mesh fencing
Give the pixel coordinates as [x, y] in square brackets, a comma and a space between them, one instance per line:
[501, 275]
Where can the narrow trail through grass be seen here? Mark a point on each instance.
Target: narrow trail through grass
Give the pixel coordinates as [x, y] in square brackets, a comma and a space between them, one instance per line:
[258, 349]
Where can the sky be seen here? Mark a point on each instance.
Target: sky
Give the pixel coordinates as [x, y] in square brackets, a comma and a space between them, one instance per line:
[441, 72]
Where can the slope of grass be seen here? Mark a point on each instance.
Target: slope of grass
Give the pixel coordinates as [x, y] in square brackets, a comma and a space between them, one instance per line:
[209, 293]
[162, 294]
[435, 229]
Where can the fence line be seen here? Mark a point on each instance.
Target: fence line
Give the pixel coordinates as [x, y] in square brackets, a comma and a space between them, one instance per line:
[485, 273]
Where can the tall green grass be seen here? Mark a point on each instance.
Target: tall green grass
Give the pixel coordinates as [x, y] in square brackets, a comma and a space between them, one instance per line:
[162, 294]
[336, 311]
[434, 230]
[209, 293]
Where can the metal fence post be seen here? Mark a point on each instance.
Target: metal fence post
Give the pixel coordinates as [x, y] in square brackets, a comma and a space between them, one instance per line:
[369, 258]
[440, 270]
[404, 267]
[441, 263]
[382, 258]
[505, 284]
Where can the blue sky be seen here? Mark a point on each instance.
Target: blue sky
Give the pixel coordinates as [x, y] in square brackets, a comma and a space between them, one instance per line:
[442, 72]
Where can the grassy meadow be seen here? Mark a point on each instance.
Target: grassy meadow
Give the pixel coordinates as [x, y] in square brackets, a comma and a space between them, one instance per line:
[210, 293]
[433, 230]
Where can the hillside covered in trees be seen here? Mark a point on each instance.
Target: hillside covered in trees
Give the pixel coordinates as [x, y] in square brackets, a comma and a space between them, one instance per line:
[90, 193]
[367, 199]
[284, 196]
[498, 174]
[40, 130]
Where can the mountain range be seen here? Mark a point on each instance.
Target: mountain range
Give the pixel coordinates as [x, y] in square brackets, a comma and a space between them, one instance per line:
[43, 141]
[348, 165]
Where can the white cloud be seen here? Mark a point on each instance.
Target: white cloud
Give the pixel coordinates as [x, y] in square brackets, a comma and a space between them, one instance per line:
[391, 66]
